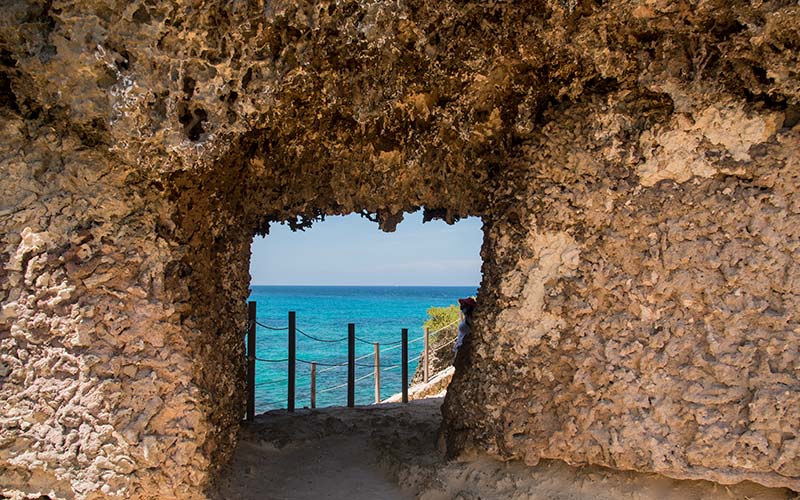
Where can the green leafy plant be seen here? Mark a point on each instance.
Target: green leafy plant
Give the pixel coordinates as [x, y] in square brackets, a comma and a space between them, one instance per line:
[439, 317]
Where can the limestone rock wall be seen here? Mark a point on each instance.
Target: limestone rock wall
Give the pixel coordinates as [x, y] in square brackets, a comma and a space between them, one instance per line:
[644, 324]
[635, 164]
[96, 390]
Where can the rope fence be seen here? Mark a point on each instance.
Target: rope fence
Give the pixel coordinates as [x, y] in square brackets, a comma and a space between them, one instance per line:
[273, 328]
[445, 345]
[351, 363]
[342, 339]
[412, 341]
[444, 327]
[328, 389]
[359, 339]
[317, 339]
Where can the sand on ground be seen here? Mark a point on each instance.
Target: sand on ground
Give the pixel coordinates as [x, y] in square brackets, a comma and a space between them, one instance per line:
[389, 451]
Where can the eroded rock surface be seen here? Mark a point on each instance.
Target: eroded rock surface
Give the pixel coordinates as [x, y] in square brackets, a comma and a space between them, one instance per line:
[635, 164]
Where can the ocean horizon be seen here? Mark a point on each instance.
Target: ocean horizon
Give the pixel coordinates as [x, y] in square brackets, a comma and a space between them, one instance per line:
[324, 311]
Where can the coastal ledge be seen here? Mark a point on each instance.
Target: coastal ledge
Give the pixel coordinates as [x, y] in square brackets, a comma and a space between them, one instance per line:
[435, 387]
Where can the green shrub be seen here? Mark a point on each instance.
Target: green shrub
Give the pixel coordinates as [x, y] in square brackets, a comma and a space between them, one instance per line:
[439, 317]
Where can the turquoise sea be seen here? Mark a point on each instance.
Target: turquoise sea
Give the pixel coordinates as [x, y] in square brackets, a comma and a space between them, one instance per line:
[379, 313]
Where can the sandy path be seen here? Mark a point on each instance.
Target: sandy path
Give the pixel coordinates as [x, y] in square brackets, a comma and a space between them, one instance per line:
[323, 454]
[338, 467]
[389, 452]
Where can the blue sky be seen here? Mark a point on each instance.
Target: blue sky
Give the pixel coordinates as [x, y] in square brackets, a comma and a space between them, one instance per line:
[351, 250]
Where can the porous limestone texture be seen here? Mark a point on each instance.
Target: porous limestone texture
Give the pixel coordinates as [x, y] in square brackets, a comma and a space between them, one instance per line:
[635, 164]
[639, 325]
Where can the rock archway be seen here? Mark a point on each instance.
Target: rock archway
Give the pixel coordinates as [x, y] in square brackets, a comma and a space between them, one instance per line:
[635, 164]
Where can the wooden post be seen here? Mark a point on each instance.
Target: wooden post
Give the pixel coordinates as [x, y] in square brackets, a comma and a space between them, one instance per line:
[292, 359]
[426, 356]
[313, 385]
[250, 412]
[377, 373]
[405, 364]
[351, 365]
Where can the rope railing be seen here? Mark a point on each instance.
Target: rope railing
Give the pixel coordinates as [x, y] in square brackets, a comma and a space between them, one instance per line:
[409, 362]
[330, 365]
[317, 339]
[333, 367]
[399, 346]
[273, 328]
[438, 348]
[376, 367]
[372, 342]
[344, 363]
[358, 339]
[342, 339]
[328, 389]
[318, 363]
[444, 327]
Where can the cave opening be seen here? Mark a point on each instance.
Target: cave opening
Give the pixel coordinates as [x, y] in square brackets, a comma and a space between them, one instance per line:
[341, 271]
[264, 185]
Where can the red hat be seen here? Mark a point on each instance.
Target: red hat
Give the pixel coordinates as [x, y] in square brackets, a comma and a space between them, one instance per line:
[468, 302]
